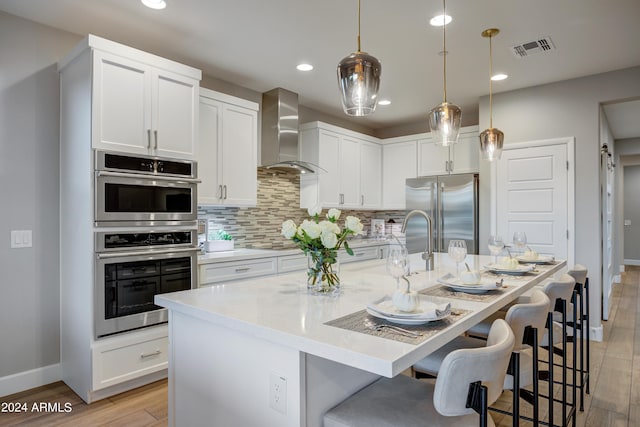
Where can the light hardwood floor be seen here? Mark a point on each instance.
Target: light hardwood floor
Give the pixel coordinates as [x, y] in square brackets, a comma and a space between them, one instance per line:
[614, 399]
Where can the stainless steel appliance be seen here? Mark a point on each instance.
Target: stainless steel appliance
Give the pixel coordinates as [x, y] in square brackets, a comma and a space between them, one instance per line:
[452, 203]
[135, 264]
[144, 189]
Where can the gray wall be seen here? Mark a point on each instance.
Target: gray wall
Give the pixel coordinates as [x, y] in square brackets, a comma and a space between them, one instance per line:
[627, 154]
[29, 116]
[632, 213]
[567, 108]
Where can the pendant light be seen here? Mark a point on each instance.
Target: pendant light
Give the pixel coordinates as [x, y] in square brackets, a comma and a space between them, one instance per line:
[445, 119]
[359, 81]
[491, 139]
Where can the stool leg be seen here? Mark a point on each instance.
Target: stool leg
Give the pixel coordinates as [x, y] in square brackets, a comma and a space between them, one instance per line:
[551, 379]
[514, 371]
[582, 371]
[536, 391]
[574, 352]
[564, 362]
[586, 290]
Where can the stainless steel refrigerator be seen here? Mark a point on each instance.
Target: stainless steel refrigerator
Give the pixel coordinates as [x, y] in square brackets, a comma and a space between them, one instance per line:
[452, 203]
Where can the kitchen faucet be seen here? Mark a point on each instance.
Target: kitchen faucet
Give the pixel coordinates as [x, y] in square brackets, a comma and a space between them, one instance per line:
[427, 255]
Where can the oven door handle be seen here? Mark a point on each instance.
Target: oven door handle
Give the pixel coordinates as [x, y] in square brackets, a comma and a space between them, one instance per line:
[142, 176]
[145, 253]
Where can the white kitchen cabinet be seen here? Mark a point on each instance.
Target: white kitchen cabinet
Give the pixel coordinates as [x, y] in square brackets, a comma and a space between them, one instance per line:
[361, 253]
[227, 150]
[139, 107]
[112, 97]
[370, 175]
[399, 162]
[462, 157]
[340, 153]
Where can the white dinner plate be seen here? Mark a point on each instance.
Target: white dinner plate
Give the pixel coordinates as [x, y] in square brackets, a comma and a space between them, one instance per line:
[486, 284]
[521, 269]
[427, 311]
[405, 320]
[542, 259]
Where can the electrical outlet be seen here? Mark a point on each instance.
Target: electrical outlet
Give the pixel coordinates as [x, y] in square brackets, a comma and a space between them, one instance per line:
[278, 393]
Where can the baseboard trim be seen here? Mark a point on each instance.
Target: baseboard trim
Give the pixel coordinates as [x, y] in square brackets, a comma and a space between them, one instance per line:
[617, 279]
[596, 333]
[632, 261]
[26, 380]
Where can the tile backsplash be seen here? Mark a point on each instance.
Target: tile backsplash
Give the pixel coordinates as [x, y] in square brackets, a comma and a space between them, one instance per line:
[278, 200]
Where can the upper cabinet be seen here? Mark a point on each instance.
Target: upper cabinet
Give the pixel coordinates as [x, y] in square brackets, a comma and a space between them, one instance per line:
[462, 157]
[352, 162]
[139, 103]
[227, 150]
[399, 162]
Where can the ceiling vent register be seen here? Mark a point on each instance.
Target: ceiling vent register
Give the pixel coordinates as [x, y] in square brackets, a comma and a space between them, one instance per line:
[544, 44]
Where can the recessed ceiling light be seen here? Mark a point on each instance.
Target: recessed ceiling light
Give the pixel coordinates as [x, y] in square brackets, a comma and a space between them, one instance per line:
[304, 67]
[384, 102]
[154, 4]
[440, 20]
[499, 76]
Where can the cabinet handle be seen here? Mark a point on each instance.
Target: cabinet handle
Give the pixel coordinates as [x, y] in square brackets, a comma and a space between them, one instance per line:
[362, 200]
[147, 355]
[225, 191]
[219, 192]
[148, 138]
[155, 135]
[450, 165]
[240, 270]
[341, 198]
[446, 165]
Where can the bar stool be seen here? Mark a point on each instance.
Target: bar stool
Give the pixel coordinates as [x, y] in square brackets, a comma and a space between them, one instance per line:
[560, 292]
[469, 381]
[579, 273]
[525, 320]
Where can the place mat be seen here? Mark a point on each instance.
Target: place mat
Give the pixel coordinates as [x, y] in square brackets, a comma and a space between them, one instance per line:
[358, 322]
[444, 291]
[539, 268]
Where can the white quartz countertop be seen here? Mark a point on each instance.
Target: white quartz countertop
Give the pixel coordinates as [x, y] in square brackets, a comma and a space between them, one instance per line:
[246, 254]
[278, 309]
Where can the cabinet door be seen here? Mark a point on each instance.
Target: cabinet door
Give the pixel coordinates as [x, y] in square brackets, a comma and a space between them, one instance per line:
[209, 135]
[399, 163]
[238, 156]
[465, 154]
[121, 104]
[350, 172]
[329, 157]
[174, 113]
[432, 158]
[370, 175]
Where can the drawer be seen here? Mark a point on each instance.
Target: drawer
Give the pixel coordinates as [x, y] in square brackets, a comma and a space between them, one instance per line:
[234, 270]
[360, 254]
[114, 365]
[288, 263]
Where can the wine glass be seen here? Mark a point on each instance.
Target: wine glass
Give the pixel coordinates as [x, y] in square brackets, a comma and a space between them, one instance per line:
[520, 240]
[458, 251]
[496, 246]
[397, 264]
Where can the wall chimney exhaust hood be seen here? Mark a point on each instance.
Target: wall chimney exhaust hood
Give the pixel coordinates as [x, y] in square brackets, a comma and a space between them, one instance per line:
[280, 133]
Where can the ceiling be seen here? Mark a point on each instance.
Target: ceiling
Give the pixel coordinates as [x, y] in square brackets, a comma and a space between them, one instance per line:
[256, 44]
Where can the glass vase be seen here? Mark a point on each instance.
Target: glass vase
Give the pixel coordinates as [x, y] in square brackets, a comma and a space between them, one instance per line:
[323, 272]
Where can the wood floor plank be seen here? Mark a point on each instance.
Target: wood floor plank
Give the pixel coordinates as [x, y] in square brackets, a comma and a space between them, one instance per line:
[598, 417]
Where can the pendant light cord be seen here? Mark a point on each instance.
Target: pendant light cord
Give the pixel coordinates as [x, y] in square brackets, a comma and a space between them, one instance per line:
[358, 26]
[490, 82]
[444, 47]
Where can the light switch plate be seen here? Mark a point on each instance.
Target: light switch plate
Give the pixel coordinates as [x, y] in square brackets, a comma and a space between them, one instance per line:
[21, 239]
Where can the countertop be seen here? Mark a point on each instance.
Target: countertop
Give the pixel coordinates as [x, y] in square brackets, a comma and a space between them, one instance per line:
[244, 254]
[278, 309]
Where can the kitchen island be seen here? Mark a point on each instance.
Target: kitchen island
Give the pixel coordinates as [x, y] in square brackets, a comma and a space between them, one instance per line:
[259, 352]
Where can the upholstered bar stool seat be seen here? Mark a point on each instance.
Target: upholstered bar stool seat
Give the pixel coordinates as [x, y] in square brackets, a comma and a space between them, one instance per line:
[402, 401]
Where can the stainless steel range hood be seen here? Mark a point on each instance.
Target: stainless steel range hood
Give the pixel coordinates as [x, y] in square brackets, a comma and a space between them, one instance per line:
[280, 133]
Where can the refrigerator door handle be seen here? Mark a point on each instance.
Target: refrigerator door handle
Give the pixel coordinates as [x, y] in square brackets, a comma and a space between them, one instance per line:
[441, 220]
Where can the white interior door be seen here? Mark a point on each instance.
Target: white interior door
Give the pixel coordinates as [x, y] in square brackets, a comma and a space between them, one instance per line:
[533, 195]
[606, 189]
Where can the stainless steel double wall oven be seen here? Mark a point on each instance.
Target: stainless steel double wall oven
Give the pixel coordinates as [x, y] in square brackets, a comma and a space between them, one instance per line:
[145, 237]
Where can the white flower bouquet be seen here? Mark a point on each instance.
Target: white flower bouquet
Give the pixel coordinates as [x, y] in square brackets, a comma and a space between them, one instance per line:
[320, 240]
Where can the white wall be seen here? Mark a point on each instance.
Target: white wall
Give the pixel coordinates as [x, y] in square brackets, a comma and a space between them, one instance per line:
[29, 143]
[564, 109]
[627, 154]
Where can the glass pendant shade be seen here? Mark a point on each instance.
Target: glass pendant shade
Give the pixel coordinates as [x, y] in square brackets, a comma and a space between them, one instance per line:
[359, 81]
[491, 144]
[444, 122]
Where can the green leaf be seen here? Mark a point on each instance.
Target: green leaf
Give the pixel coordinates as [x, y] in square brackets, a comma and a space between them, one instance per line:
[348, 249]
